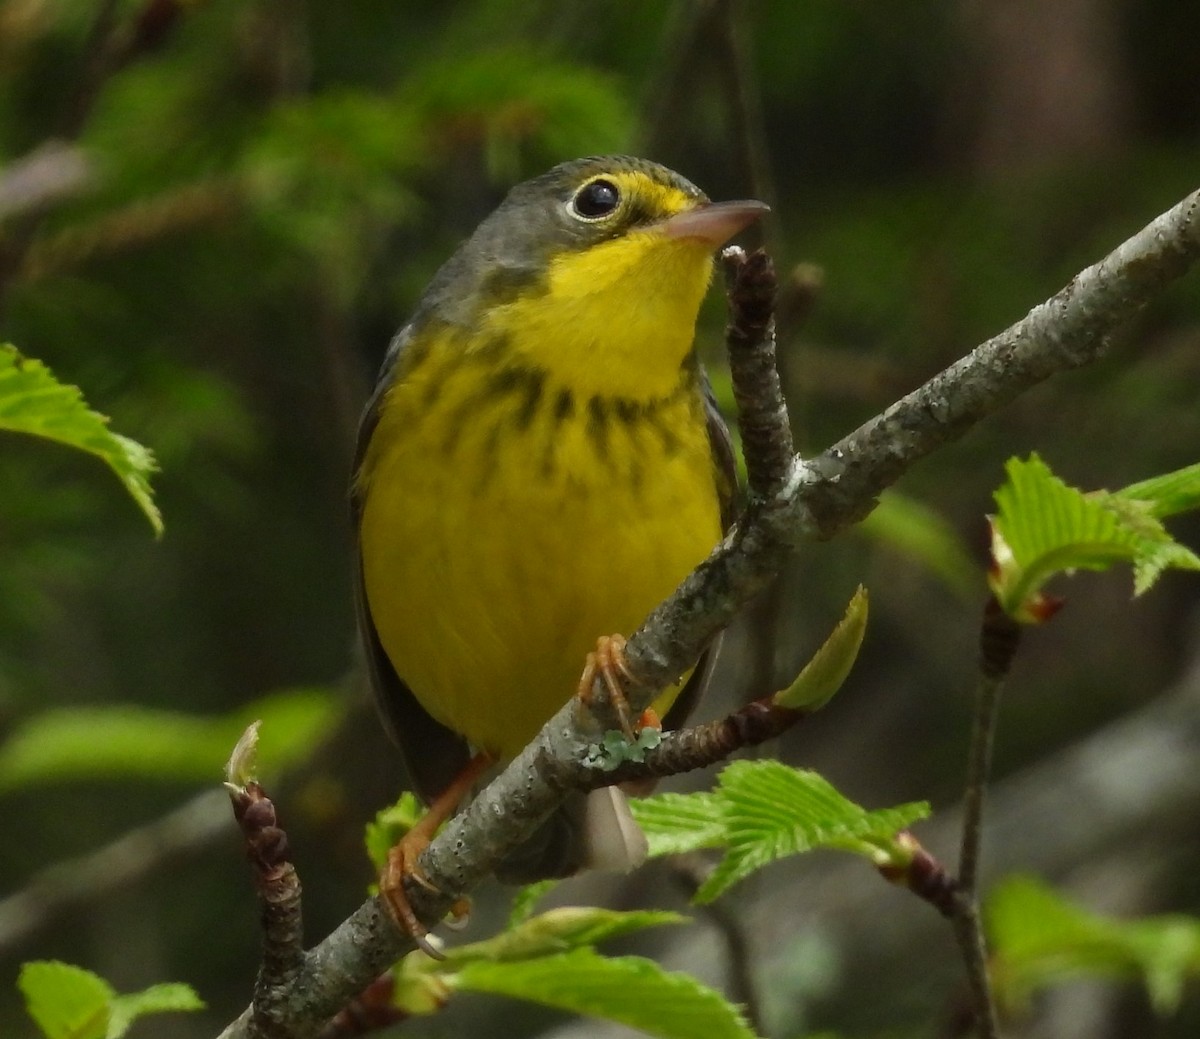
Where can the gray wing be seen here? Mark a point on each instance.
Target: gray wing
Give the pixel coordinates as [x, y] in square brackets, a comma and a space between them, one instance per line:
[432, 753]
[725, 475]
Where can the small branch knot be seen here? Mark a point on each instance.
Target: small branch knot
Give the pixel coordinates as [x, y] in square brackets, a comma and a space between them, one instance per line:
[999, 638]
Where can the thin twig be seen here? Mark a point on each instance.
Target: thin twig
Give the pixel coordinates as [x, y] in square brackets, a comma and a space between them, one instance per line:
[50, 172]
[746, 108]
[278, 886]
[928, 879]
[106, 50]
[999, 637]
[95, 64]
[692, 871]
[684, 29]
[750, 338]
[684, 750]
[85, 880]
[201, 203]
[969, 932]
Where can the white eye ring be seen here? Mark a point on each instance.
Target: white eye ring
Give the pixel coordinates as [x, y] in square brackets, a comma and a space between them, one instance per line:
[595, 200]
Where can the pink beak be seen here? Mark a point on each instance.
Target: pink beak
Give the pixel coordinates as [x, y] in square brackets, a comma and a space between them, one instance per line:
[713, 222]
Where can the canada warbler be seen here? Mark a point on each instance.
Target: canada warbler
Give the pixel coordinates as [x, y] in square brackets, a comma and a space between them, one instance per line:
[540, 464]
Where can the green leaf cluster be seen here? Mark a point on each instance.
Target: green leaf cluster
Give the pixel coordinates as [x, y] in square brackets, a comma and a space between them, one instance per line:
[1044, 527]
[1039, 939]
[33, 401]
[130, 742]
[68, 1002]
[550, 959]
[390, 825]
[762, 811]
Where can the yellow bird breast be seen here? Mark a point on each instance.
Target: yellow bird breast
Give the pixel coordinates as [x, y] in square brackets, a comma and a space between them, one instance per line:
[507, 523]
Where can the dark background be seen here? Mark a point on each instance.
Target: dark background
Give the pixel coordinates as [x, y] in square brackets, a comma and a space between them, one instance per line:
[271, 183]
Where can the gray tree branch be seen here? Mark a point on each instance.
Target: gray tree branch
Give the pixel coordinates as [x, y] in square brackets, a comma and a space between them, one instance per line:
[822, 496]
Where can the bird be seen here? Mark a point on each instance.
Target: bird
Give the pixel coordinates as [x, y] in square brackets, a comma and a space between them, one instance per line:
[541, 462]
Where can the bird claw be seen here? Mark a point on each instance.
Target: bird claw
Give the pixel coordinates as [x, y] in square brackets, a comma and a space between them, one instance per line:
[402, 861]
[607, 662]
[402, 864]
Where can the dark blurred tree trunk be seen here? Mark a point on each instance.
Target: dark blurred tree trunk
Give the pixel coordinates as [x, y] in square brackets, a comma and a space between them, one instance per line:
[1041, 82]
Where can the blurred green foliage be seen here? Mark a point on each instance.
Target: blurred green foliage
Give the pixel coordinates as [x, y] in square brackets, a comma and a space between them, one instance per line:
[68, 1002]
[131, 742]
[269, 185]
[32, 401]
[1042, 939]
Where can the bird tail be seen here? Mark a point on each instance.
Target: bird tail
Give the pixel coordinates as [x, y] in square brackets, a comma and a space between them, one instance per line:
[611, 838]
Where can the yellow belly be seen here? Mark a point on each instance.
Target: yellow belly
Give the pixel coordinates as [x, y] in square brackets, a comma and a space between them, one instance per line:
[496, 548]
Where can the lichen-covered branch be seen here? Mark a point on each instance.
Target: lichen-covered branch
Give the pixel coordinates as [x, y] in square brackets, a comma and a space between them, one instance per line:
[820, 497]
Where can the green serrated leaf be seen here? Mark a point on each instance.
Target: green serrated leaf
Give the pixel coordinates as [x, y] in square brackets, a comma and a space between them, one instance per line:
[914, 528]
[830, 666]
[1150, 564]
[630, 990]
[67, 1002]
[166, 998]
[138, 742]
[555, 931]
[1045, 527]
[390, 825]
[1168, 494]
[32, 401]
[773, 811]
[1039, 939]
[675, 823]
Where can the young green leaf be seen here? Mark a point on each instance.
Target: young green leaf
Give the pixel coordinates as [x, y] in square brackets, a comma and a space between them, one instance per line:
[830, 666]
[762, 811]
[557, 930]
[67, 1002]
[1039, 939]
[423, 985]
[390, 825]
[128, 741]
[773, 811]
[1167, 494]
[168, 997]
[1044, 527]
[1156, 551]
[629, 990]
[675, 823]
[32, 401]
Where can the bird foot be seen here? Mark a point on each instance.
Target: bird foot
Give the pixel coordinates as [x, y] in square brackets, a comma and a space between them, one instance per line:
[402, 859]
[607, 662]
[402, 864]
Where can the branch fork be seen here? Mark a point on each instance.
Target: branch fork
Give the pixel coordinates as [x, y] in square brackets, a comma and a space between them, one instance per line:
[791, 500]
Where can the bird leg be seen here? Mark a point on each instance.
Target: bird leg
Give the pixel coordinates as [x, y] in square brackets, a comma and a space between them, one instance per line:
[402, 859]
[607, 662]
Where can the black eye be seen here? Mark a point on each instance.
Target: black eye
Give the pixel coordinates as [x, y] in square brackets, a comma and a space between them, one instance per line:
[595, 199]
